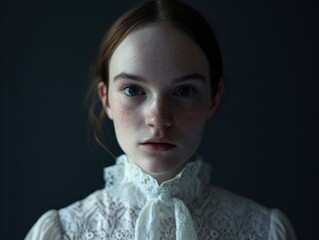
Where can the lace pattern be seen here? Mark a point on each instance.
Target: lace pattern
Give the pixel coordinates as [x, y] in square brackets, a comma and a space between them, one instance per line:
[115, 212]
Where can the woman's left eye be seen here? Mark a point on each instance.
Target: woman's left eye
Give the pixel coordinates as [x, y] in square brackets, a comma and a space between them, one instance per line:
[185, 91]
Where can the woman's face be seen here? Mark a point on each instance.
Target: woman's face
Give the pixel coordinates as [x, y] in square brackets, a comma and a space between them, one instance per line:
[159, 98]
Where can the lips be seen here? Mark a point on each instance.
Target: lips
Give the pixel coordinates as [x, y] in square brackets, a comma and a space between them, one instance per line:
[158, 144]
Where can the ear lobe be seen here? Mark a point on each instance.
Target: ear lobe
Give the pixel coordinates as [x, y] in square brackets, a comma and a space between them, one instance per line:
[216, 99]
[102, 92]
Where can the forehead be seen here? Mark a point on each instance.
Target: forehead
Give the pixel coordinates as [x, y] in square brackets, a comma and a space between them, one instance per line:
[158, 50]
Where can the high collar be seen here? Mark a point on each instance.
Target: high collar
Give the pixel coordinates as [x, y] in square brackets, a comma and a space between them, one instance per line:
[186, 185]
[159, 201]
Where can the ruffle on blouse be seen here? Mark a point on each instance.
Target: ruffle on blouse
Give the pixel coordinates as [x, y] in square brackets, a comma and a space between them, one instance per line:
[168, 197]
[134, 206]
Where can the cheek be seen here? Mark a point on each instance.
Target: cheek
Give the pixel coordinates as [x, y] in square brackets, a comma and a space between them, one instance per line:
[193, 118]
[124, 117]
[123, 126]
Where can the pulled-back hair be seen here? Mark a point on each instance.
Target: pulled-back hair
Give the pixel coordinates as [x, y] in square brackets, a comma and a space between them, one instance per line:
[172, 12]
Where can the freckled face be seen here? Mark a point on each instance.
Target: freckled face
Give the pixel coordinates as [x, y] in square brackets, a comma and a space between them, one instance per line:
[159, 98]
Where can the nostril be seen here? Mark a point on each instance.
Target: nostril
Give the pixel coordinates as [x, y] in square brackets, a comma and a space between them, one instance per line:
[158, 113]
[159, 121]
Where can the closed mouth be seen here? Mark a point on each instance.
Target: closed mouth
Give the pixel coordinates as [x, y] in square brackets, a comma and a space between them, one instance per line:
[158, 143]
[158, 146]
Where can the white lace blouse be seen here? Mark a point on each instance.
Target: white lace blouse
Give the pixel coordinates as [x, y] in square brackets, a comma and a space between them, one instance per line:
[134, 206]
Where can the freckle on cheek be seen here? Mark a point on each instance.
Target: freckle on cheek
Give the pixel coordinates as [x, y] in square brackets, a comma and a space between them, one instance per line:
[125, 118]
[194, 118]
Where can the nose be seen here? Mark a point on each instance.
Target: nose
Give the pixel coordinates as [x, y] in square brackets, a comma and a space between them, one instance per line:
[158, 114]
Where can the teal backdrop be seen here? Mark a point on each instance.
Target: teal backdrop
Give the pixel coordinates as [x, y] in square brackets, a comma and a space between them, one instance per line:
[262, 142]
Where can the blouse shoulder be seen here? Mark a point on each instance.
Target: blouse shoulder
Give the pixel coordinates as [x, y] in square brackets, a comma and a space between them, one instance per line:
[47, 227]
[280, 227]
[87, 206]
[85, 218]
[234, 215]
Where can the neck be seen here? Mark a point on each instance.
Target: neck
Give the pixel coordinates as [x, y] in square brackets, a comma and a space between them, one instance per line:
[162, 177]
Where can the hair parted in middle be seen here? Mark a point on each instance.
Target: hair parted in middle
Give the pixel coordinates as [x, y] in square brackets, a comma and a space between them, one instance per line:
[171, 12]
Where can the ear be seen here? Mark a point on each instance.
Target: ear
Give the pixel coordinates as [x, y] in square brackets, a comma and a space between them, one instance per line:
[102, 92]
[216, 99]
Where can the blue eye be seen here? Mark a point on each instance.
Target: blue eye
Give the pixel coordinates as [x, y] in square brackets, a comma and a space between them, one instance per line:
[185, 92]
[132, 91]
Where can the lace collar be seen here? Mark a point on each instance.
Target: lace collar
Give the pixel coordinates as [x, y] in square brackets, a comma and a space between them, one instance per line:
[186, 185]
[172, 195]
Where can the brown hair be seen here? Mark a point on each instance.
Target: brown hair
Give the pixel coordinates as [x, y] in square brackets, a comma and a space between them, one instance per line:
[173, 12]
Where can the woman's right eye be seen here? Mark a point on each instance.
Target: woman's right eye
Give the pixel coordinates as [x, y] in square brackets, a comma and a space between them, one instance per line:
[132, 91]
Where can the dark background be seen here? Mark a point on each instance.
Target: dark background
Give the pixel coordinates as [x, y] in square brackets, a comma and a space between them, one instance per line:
[262, 143]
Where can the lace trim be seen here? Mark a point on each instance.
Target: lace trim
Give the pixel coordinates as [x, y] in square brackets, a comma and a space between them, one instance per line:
[128, 209]
[219, 215]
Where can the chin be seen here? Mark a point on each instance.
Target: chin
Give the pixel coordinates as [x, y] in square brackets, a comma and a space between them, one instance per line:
[160, 168]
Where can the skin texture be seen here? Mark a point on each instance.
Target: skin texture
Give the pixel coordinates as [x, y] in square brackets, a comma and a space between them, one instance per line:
[159, 87]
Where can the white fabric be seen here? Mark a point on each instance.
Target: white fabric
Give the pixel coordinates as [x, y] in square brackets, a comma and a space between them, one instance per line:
[47, 227]
[134, 206]
[283, 228]
[167, 194]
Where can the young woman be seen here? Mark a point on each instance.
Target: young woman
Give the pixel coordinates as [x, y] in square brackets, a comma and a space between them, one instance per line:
[158, 76]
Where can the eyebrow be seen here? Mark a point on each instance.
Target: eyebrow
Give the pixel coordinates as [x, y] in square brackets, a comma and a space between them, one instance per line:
[124, 75]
